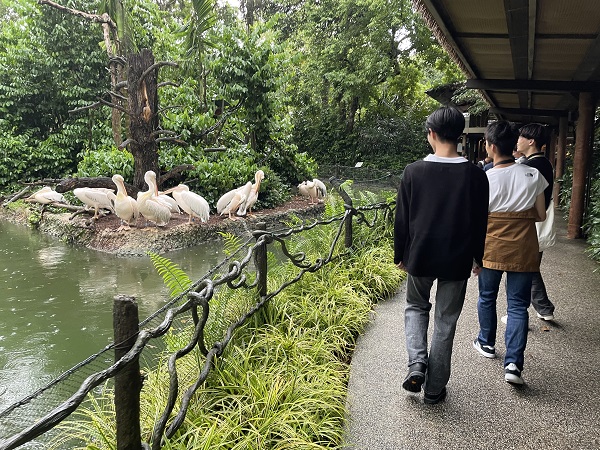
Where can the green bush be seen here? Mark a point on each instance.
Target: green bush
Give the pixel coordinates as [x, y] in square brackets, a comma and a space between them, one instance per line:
[106, 162]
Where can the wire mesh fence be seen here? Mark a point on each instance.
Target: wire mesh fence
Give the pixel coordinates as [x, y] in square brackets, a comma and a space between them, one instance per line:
[31, 422]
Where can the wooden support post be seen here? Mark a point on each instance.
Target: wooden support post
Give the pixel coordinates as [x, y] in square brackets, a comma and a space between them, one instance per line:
[551, 150]
[260, 260]
[561, 151]
[581, 162]
[128, 382]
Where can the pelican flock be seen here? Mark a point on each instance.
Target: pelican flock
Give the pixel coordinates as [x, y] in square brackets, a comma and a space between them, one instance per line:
[158, 207]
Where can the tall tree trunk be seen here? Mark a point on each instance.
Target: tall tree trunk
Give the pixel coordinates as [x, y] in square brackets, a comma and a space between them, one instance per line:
[143, 104]
[351, 115]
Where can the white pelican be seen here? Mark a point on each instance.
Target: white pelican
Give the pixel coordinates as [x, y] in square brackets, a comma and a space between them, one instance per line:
[45, 196]
[190, 202]
[173, 205]
[96, 198]
[125, 206]
[253, 196]
[150, 206]
[315, 190]
[231, 201]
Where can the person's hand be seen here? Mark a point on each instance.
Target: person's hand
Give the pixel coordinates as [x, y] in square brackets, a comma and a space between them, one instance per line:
[400, 266]
[476, 270]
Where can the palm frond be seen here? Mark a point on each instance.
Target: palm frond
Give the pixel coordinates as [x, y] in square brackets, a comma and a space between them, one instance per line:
[174, 278]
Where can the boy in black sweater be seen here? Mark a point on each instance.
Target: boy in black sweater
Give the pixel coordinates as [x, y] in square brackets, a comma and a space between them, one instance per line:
[439, 234]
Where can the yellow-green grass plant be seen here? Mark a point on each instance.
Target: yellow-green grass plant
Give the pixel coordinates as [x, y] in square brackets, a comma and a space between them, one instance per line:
[282, 381]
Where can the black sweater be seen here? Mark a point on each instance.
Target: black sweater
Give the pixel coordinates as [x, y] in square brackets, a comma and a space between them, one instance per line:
[441, 219]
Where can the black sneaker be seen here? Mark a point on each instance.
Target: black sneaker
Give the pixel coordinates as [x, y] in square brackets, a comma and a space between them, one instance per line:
[512, 374]
[486, 350]
[431, 399]
[415, 378]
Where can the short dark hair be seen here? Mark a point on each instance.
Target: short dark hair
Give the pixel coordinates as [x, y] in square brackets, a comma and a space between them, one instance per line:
[447, 122]
[502, 134]
[535, 131]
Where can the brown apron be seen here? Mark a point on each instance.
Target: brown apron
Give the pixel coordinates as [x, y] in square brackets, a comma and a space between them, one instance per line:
[511, 242]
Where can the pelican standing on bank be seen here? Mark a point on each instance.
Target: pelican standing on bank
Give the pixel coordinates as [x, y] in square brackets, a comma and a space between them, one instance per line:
[150, 206]
[193, 204]
[125, 206]
[247, 206]
[231, 201]
[45, 196]
[96, 198]
[315, 190]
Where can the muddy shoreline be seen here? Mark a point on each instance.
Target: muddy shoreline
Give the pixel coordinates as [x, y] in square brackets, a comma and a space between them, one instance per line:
[103, 235]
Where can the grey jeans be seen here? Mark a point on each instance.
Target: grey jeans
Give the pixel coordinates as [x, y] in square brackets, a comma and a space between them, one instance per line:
[449, 300]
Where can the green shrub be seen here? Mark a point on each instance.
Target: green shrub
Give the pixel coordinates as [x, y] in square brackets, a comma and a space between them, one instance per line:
[106, 162]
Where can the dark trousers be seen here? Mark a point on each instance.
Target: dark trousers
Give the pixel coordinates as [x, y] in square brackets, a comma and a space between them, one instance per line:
[539, 297]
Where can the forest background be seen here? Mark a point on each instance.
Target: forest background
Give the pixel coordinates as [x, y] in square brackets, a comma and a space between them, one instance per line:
[282, 86]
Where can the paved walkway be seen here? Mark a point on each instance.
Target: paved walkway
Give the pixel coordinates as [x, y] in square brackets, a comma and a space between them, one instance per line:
[557, 408]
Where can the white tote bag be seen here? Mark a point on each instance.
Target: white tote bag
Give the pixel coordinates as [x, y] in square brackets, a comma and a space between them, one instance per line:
[545, 230]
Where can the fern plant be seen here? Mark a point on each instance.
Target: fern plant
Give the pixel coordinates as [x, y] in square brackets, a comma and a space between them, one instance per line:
[174, 278]
[231, 243]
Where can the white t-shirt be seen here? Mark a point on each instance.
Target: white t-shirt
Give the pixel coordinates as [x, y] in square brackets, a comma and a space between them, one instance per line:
[514, 188]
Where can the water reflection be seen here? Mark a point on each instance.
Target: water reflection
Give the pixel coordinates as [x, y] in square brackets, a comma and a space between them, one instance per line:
[56, 302]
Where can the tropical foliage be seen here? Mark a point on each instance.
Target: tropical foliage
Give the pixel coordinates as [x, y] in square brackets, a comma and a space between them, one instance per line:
[287, 85]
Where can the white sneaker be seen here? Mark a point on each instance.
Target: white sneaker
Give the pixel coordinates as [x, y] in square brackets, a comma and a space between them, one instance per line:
[545, 316]
[512, 374]
[504, 319]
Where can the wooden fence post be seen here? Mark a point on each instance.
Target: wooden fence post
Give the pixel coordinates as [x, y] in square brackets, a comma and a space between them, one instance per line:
[260, 260]
[128, 383]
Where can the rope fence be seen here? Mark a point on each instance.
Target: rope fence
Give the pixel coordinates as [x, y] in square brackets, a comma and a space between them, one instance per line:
[38, 414]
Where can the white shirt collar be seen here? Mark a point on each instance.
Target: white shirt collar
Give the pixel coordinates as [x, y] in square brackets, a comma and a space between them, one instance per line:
[444, 159]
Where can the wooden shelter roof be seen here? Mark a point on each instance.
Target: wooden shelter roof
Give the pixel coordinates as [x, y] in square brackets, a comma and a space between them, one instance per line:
[529, 58]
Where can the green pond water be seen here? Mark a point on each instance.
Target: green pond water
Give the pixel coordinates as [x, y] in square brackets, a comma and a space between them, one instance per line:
[56, 302]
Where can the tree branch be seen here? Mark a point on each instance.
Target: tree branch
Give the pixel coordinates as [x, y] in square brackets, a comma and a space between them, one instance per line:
[157, 133]
[68, 184]
[84, 108]
[175, 171]
[155, 66]
[104, 18]
[126, 142]
[112, 105]
[172, 139]
[167, 83]
[114, 94]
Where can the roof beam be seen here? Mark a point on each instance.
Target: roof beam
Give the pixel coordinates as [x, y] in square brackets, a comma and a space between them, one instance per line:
[534, 85]
[530, 112]
[517, 22]
[480, 35]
